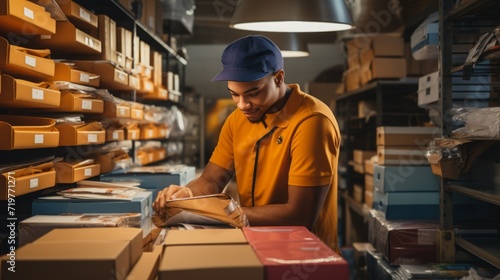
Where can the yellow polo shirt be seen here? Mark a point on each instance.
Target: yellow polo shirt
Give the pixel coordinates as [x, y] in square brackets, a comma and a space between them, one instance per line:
[299, 147]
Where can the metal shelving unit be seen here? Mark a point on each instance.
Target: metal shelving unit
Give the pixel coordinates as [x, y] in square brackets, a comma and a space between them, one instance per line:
[460, 27]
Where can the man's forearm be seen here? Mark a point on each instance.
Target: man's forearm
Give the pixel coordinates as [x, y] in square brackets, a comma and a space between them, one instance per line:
[278, 215]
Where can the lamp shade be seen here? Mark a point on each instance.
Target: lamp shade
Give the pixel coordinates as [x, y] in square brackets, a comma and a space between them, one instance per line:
[290, 44]
[292, 15]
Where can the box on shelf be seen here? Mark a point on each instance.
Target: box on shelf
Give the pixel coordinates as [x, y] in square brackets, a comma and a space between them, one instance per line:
[75, 134]
[65, 72]
[383, 68]
[111, 76]
[116, 110]
[67, 172]
[210, 262]
[79, 102]
[407, 205]
[368, 196]
[68, 40]
[20, 16]
[134, 82]
[359, 156]
[425, 39]
[402, 155]
[26, 180]
[385, 46]
[24, 62]
[369, 186]
[79, 16]
[416, 136]
[18, 93]
[20, 132]
[403, 242]
[112, 160]
[358, 193]
[403, 178]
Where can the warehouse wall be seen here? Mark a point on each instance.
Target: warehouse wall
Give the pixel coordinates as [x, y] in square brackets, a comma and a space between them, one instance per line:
[204, 63]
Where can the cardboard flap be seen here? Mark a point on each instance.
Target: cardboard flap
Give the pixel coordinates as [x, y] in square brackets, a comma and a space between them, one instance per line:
[45, 53]
[29, 122]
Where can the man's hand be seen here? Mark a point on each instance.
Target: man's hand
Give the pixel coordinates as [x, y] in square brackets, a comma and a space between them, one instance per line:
[172, 192]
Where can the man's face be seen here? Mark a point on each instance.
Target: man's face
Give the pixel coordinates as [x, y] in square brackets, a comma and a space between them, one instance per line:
[254, 98]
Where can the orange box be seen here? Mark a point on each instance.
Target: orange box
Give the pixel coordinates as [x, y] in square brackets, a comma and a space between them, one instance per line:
[74, 134]
[20, 132]
[65, 72]
[26, 62]
[161, 130]
[110, 160]
[114, 110]
[132, 131]
[136, 111]
[148, 131]
[68, 40]
[115, 134]
[22, 181]
[79, 16]
[80, 102]
[159, 93]
[17, 93]
[20, 17]
[111, 77]
[73, 172]
[134, 82]
[147, 86]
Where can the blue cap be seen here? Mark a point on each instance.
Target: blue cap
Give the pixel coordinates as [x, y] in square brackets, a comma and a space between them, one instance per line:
[249, 58]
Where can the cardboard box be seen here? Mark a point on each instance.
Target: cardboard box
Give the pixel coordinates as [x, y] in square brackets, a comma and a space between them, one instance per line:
[146, 87]
[116, 110]
[22, 16]
[80, 259]
[79, 16]
[133, 236]
[146, 268]
[368, 196]
[369, 182]
[80, 103]
[76, 134]
[403, 242]
[288, 260]
[210, 262]
[111, 77]
[136, 111]
[134, 82]
[148, 131]
[34, 227]
[72, 172]
[55, 205]
[358, 193]
[112, 160]
[18, 93]
[20, 132]
[369, 163]
[387, 68]
[407, 205]
[405, 178]
[352, 79]
[359, 156]
[403, 155]
[64, 72]
[205, 237]
[159, 93]
[132, 131]
[387, 46]
[115, 134]
[157, 60]
[155, 177]
[24, 62]
[415, 136]
[68, 40]
[256, 234]
[359, 168]
[22, 181]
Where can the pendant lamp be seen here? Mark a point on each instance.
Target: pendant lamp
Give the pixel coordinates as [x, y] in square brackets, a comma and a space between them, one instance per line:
[290, 44]
[292, 15]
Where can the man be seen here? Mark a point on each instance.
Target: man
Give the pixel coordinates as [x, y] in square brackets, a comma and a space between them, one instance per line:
[281, 144]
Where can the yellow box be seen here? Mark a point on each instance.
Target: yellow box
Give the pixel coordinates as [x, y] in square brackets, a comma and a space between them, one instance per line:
[21, 17]
[24, 62]
[132, 131]
[147, 86]
[18, 93]
[111, 77]
[22, 181]
[67, 173]
[64, 72]
[79, 16]
[74, 134]
[80, 102]
[136, 111]
[134, 82]
[114, 110]
[159, 93]
[68, 40]
[148, 131]
[110, 160]
[20, 132]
